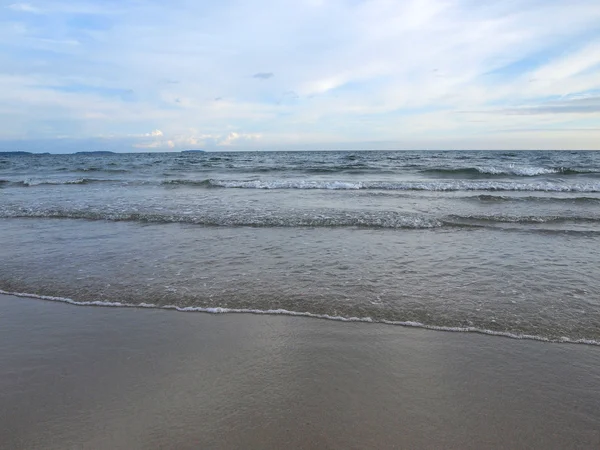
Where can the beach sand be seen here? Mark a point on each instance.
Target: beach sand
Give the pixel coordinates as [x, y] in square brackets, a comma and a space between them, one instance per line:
[118, 378]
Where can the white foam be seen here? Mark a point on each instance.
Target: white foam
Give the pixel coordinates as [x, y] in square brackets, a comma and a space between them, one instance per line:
[520, 171]
[383, 219]
[285, 312]
[445, 185]
[290, 184]
[32, 182]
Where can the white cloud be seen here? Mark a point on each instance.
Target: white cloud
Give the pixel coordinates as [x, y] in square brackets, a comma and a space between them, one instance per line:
[155, 142]
[25, 7]
[360, 71]
[191, 139]
[567, 66]
[233, 136]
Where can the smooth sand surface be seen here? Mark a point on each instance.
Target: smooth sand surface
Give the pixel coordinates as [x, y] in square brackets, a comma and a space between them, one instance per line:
[116, 378]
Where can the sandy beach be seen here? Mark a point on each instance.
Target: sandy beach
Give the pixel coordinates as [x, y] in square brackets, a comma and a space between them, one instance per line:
[105, 378]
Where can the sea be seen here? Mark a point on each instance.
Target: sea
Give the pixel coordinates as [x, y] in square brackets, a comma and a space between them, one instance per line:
[505, 243]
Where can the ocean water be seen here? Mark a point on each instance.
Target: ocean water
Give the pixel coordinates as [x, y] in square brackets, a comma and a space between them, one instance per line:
[504, 243]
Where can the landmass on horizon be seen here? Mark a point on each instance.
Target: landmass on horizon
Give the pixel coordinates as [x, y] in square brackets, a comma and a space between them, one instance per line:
[20, 153]
[95, 152]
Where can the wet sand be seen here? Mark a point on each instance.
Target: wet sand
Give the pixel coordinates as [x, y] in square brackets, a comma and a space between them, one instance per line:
[105, 378]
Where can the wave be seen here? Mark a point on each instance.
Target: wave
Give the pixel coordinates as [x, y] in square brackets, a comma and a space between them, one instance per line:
[302, 184]
[349, 168]
[293, 168]
[33, 182]
[520, 171]
[523, 219]
[505, 198]
[457, 185]
[304, 219]
[337, 219]
[199, 183]
[285, 312]
[100, 169]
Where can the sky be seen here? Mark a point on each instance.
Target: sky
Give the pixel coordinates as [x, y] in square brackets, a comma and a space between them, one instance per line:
[149, 75]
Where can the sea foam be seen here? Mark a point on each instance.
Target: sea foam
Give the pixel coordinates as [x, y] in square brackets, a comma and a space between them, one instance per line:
[442, 185]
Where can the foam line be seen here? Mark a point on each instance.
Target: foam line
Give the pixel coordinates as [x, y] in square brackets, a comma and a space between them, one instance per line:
[285, 312]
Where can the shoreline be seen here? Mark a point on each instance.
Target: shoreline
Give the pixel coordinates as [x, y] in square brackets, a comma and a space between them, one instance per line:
[284, 312]
[130, 378]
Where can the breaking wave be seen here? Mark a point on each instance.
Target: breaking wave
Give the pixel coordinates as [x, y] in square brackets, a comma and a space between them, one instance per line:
[200, 183]
[524, 219]
[244, 218]
[442, 185]
[519, 171]
[299, 218]
[506, 198]
[34, 182]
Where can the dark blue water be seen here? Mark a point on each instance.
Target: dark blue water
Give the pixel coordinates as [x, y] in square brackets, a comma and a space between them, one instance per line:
[500, 242]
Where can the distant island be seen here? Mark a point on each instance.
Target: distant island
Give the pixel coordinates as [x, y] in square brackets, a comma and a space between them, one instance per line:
[192, 151]
[99, 152]
[15, 153]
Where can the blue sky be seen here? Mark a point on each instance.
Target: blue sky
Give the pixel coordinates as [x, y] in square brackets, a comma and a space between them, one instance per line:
[134, 75]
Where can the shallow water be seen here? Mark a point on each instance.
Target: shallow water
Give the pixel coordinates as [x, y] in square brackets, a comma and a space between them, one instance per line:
[496, 242]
